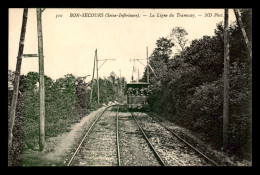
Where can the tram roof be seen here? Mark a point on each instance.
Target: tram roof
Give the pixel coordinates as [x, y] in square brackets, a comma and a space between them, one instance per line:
[137, 84]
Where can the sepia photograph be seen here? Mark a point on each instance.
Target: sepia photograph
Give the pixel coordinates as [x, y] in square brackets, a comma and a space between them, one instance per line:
[129, 87]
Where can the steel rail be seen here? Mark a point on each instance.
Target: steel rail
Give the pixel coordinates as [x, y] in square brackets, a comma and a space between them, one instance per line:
[72, 158]
[192, 147]
[117, 139]
[159, 159]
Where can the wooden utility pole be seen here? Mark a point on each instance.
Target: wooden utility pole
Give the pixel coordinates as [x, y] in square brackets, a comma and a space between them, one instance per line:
[41, 82]
[248, 44]
[133, 70]
[16, 80]
[138, 76]
[120, 81]
[97, 71]
[147, 65]
[226, 83]
[97, 77]
[93, 75]
[249, 48]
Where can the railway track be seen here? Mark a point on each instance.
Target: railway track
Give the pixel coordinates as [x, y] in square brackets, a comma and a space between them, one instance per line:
[212, 162]
[159, 159]
[135, 148]
[100, 145]
[117, 140]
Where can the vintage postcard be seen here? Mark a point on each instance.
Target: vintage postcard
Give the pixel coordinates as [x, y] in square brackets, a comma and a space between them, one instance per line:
[129, 87]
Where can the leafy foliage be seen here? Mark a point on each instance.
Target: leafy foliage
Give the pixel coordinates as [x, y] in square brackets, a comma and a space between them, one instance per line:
[178, 34]
[67, 100]
[163, 50]
[189, 86]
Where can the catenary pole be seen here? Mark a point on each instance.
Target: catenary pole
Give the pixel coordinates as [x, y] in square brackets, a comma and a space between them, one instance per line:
[93, 75]
[249, 48]
[41, 82]
[226, 83]
[147, 65]
[98, 70]
[238, 17]
[120, 81]
[138, 76]
[97, 77]
[16, 80]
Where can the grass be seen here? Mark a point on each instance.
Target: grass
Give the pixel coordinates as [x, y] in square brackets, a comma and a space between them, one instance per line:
[31, 154]
[36, 159]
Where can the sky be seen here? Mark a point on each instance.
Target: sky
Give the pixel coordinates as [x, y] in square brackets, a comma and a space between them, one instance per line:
[69, 42]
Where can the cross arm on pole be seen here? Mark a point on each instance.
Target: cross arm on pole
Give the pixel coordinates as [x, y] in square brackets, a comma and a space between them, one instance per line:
[144, 64]
[106, 59]
[138, 60]
[104, 62]
[30, 55]
[152, 70]
[42, 10]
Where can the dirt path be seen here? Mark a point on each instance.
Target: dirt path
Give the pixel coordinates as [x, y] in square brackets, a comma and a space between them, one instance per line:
[58, 149]
[64, 143]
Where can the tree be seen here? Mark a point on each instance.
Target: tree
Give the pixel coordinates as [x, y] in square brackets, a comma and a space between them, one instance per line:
[159, 61]
[178, 34]
[189, 87]
[163, 50]
[113, 79]
[159, 58]
[83, 94]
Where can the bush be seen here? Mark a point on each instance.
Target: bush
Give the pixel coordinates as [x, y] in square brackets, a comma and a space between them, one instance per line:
[190, 86]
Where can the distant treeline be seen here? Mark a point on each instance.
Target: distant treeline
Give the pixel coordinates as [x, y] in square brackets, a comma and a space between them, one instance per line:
[188, 87]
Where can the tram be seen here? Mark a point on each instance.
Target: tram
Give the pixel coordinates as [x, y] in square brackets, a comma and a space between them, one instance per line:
[137, 95]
